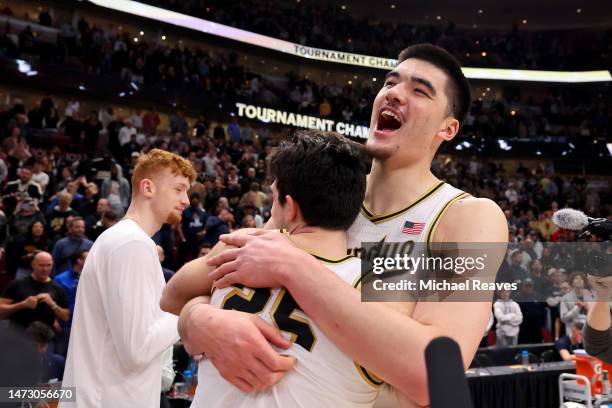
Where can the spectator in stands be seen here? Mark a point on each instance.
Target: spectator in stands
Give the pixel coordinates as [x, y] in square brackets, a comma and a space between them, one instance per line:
[109, 218]
[248, 222]
[67, 176]
[575, 304]
[517, 272]
[509, 318]
[59, 214]
[214, 194]
[162, 257]
[94, 218]
[204, 250]
[192, 228]
[91, 131]
[116, 189]
[66, 247]
[150, 121]
[126, 132]
[178, 123]
[567, 343]
[24, 248]
[534, 314]
[52, 364]
[35, 297]
[88, 203]
[558, 288]
[216, 225]
[26, 213]
[69, 279]
[21, 189]
[541, 283]
[260, 196]
[39, 176]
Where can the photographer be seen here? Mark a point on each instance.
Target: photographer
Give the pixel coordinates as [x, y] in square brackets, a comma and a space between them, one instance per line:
[597, 332]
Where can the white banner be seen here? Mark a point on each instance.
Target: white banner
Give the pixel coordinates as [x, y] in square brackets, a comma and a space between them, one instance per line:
[269, 115]
[259, 40]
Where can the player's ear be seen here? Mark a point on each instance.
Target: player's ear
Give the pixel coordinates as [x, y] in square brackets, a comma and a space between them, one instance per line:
[291, 209]
[449, 129]
[147, 188]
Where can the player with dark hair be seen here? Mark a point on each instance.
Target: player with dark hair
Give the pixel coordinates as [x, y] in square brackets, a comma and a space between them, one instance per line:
[420, 106]
[318, 190]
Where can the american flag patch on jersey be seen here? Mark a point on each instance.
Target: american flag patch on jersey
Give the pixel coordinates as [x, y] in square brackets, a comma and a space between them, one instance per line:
[413, 228]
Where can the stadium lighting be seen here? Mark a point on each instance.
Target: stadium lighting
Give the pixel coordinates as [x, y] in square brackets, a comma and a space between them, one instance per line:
[503, 145]
[340, 57]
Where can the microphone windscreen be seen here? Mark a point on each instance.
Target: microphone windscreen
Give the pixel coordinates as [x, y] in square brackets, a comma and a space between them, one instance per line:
[570, 219]
[446, 380]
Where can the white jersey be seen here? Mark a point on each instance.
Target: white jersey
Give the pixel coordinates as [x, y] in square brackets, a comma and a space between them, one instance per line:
[416, 222]
[322, 377]
[118, 331]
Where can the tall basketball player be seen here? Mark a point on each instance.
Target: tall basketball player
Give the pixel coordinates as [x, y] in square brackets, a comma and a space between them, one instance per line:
[421, 105]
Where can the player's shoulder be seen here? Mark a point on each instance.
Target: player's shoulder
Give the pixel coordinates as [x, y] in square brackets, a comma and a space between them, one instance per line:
[471, 206]
[472, 218]
[125, 236]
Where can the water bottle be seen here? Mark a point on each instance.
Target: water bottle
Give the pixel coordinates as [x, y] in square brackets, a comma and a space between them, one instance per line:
[525, 358]
[606, 383]
[193, 367]
[187, 380]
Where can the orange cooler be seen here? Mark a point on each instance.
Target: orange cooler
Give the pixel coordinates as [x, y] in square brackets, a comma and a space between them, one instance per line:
[592, 368]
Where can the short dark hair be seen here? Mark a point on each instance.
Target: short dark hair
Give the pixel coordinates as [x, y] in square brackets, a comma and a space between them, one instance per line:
[324, 172]
[77, 255]
[40, 332]
[458, 89]
[110, 215]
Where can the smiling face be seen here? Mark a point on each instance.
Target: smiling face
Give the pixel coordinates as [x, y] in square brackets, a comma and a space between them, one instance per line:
[169, 197]
[411, 115]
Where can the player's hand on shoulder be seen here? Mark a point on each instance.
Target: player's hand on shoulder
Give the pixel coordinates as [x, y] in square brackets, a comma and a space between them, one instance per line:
[256, 262]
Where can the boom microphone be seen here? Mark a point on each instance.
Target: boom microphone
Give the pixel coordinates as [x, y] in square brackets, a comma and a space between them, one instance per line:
[445, 375]
[575, 220]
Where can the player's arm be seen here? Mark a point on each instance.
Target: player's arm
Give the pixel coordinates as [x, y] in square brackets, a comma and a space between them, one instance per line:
[130, 304]
[191, 280]
[387, 342]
